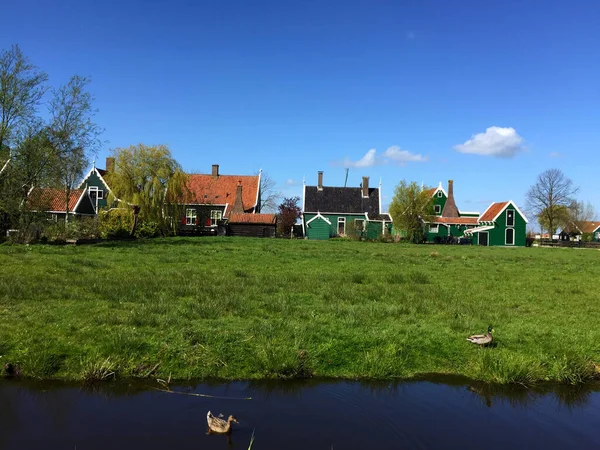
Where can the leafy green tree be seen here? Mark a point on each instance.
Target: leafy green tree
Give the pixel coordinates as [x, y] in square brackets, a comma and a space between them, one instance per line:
[560, 219]
[21, 91]
[149, 180]
[73, 132]
[410, 207]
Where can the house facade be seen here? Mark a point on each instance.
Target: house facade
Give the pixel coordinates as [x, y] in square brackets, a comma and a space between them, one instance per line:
[501, 224]
[338, 211]
[214, 199]
[95, 183]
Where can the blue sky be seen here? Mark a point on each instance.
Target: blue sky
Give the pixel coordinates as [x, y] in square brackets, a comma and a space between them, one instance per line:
[487, 93]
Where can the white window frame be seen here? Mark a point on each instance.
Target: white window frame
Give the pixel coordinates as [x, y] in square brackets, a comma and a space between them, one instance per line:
[440, 194]
[434, 228]
[506, 236]
[437, 209]
[100, 194]
[215, 216]
[363, 223]
[513, 216]
[341, 220]
[191, 215]
[488, 238]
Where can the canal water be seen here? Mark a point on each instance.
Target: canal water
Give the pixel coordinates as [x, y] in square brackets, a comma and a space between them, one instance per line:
[440, 413]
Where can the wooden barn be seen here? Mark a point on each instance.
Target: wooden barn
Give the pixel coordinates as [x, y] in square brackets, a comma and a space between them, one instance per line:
[252, 225]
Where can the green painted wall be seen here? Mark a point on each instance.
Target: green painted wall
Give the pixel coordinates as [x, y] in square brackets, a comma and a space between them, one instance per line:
[85, 206]
[468, 214]
[372, 229]
[318, 229]
[94, 180]
[498, 234]
[441, 201]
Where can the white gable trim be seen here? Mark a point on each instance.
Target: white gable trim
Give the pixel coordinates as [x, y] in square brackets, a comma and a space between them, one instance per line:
[93, 169]
[258, 190]
[319, 216]
[439, 188]
[4, 166]
[478, 229]
[510, 202]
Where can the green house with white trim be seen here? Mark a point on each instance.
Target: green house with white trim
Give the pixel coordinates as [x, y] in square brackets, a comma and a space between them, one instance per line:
[96, 185]
[502, 223]
[339, 211]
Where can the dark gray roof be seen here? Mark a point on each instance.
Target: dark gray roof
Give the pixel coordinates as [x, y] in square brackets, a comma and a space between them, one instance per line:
[380, 217]
[345, 200]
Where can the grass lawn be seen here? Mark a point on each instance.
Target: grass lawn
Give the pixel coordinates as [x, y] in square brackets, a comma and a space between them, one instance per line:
[250, 308]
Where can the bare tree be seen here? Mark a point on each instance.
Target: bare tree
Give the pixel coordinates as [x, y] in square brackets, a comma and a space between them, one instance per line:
[552, 192]
[74, 134]
[21, 91]
[269, 195]
[580, 212]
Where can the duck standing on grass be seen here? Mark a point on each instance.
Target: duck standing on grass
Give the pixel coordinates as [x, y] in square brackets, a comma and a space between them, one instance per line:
[482, 339]
[217, 425]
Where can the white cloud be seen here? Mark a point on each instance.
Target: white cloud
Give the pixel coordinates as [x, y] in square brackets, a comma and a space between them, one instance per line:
[395, 154]
[555, 155]
[366, 161]
[290, 182]
[392, 155]
[496, 141]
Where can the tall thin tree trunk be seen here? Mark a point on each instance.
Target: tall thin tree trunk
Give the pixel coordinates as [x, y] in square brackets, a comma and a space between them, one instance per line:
[68, 191]
[136, 211]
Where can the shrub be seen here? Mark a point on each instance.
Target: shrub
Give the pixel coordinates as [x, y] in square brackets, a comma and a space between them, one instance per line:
[115, 223]
[147, 229]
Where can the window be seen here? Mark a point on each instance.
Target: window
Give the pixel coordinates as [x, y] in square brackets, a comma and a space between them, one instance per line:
[215, 216]
[190, 216]
[100, 194]
[341, 226]
[434, 228]
[440, 193]
[510, 217]
[359, 224]
[510, 236]
[437, 209]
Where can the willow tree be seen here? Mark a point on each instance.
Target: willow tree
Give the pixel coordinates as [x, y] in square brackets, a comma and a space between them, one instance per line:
[410, 207]
[151, 182]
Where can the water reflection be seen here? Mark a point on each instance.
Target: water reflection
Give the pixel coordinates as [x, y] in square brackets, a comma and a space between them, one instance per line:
[432, 412]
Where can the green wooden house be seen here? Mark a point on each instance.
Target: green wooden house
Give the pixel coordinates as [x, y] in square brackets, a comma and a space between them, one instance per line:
[502, 223]
[339, 211]
[53, 203]
[96, 184]
[448, 220]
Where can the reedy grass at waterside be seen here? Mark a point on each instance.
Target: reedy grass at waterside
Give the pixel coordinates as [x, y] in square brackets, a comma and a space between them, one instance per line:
[249, 308]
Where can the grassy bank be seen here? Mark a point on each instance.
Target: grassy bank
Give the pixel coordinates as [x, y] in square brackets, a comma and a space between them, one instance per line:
[245, 308]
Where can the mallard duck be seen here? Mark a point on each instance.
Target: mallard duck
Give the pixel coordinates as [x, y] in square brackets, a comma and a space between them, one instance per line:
[217, 425]
[482, 339]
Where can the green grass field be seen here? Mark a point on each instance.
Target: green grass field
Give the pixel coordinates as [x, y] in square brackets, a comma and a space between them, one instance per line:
[244, 309]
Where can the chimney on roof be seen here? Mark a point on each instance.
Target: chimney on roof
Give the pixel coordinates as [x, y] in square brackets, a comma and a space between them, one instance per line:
[320, 183]
[450, 209]
[110, 164]
[365, 187]
[215, 170]
[238, 206]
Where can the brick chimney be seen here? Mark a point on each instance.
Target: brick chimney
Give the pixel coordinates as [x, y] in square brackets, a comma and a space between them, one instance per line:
[215, 170]
[365, 187]
[238, 206]
[320, 183]
[110, 164]
[450, 209]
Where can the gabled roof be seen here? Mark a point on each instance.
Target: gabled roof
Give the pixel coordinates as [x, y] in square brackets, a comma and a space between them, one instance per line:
[432, 191]
[264, 219]
[53, 200]
[221, 189]
[583, 227]
[495, 209]
[455, 220]
[101, 174]
[343, 200]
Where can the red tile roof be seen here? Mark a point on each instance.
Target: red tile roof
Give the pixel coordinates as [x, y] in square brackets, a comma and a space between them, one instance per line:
[265, 219]
[207, 189]
[456, 220]
[492, 211]
[50, 199]
[431, 191]
[588, 227]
